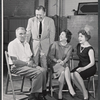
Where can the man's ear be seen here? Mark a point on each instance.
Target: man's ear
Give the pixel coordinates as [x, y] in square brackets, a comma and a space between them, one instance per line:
[44, 13]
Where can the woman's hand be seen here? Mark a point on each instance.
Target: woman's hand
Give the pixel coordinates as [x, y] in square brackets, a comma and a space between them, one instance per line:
[62, 63]
[80, 69]
[59, 60]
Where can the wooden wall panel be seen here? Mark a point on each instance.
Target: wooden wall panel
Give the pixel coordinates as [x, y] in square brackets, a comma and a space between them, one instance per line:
[10, 25]
[63, 23]
[19, 7]
[17, 22]
[12, 36]
[6, 37]
[5, 23]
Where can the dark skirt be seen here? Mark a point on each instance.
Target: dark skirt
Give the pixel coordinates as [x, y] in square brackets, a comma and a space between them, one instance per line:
[86, 73]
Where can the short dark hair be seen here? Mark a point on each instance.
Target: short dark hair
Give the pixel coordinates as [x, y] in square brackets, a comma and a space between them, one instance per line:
[86, 34]
[41, 7]
[68, 35]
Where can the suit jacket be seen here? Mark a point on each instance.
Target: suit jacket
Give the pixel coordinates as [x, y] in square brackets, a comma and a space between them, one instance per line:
[47, 36]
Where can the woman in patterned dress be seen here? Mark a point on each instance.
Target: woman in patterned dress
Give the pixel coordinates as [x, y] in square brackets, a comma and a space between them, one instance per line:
[59, 55]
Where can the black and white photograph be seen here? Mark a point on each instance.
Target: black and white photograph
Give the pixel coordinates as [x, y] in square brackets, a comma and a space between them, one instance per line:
[50, 50]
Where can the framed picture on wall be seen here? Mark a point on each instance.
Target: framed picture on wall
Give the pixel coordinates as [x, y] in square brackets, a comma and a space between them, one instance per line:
[87, 8]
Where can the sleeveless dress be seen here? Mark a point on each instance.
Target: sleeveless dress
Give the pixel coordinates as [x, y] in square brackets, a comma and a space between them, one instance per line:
[83, 61]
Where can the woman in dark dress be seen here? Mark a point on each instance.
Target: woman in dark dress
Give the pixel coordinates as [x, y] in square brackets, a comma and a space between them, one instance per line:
[86, 66]
[59, 55]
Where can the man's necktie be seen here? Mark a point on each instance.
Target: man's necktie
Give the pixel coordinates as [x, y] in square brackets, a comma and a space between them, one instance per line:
[40, 29]
[40, 32]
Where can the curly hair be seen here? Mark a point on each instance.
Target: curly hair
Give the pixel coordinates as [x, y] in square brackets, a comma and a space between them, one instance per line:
[68, 35]
[86, 34]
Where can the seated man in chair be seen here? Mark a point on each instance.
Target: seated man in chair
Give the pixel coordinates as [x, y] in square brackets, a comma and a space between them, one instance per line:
[22, 64]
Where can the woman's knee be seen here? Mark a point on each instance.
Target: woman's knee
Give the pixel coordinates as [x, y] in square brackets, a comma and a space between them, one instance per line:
[76, 74]
[67, 69]
[72, 77]
[43, 70]
[62, 73]
[61, 78]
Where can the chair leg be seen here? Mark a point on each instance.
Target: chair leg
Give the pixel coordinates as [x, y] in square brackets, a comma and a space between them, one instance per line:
[30, 84]
[88, 84]
[7, 83]
[12, 88]
[50, 84]
[93, 87]
[22, 83]
[51, 91]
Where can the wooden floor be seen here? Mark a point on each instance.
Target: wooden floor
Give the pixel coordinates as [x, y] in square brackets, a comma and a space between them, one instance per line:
[22, 96]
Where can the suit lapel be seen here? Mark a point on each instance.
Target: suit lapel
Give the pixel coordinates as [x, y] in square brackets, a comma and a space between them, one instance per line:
[35, 23]
[44, 27]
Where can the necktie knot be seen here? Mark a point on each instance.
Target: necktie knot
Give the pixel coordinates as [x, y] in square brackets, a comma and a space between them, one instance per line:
[82, 48]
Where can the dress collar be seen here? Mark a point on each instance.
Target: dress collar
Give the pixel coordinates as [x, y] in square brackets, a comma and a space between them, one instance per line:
[67, 45]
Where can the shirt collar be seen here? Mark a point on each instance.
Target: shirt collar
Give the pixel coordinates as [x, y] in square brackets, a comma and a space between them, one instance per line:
[42, 20]
[19, 41]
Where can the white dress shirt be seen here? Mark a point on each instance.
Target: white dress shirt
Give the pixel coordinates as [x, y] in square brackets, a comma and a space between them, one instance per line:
[16, 49]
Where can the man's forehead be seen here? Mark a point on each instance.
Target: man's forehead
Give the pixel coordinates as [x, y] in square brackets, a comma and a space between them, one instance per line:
[62, 32]
[21, 31]
[39, 11]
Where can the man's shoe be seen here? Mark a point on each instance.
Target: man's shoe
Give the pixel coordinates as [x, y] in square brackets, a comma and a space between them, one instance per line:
[44, 92]
[32, 97]
[60, 99]
[30, 90]
[41, 97]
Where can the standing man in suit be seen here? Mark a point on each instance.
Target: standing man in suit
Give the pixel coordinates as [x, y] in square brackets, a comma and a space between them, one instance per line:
[41, 32]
